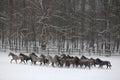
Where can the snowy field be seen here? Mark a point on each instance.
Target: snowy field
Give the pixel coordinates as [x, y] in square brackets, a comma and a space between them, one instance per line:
[22, 71]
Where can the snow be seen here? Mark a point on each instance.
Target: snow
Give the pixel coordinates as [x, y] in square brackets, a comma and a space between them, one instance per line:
[23, 71]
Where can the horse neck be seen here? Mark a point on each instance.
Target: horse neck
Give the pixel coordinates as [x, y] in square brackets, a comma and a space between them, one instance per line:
[14, 55]
[11, 54]
[35, 56]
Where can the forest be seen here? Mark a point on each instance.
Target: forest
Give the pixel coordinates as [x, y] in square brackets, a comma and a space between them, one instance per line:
[60, 24]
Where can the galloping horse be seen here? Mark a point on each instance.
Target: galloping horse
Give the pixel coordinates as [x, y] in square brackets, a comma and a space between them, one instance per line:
[34, 58]
[16, 57]
[107, 63]
[50, 59]
[101, 63]
[57, 61]
[85, 61]
[26, 58]
[43, 59]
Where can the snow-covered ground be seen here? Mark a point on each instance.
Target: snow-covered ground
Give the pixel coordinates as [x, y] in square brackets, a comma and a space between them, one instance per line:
[22, 71]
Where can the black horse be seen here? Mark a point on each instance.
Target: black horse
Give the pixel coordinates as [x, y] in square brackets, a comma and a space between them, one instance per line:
[26, 58]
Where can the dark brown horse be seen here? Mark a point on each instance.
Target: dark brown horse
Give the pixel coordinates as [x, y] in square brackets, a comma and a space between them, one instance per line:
[16, 57]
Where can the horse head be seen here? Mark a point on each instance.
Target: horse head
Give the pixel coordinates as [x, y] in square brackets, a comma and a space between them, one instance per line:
[10, 54]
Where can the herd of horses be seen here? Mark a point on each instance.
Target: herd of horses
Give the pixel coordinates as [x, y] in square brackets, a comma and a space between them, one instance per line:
[62, 60]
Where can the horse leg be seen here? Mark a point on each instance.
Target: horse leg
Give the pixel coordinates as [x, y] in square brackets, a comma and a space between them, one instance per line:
[31, 62]
[73, 65]
[44, 62]
[76, 65]
[21, 61]
[100, 66]
[34, 62]
[85, 66]
[68, 64]
[24, 62]
[61, 65]
[52, 64]
[11, 60]
[40, 63]
[16, 61]
[110, 66]
[89, 66]
[81, 65]
[94, 65]
[107, 65]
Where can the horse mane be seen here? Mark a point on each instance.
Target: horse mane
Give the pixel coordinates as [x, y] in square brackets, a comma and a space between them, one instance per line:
[99, 60]
[22, 54]
[12, 54]
[34, 54]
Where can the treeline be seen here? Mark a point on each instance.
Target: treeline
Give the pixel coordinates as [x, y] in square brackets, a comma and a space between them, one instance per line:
[83, 24]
